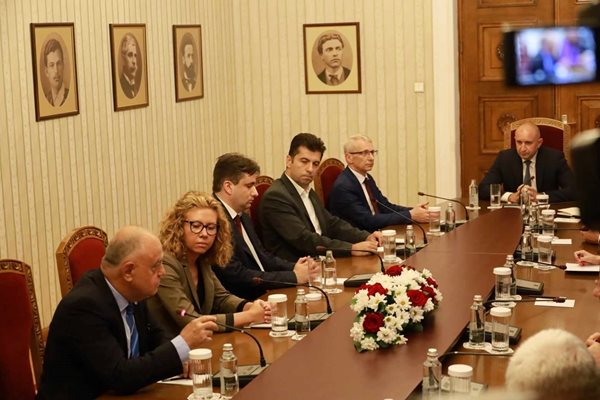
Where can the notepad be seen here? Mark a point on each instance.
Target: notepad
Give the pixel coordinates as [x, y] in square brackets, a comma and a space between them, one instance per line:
[570, 211]
[569, 303]
[574, 267]
[567, 220]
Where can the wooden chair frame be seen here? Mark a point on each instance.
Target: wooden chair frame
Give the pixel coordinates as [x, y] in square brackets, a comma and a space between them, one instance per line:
[66, 246]
[36, 345]
[324, 165]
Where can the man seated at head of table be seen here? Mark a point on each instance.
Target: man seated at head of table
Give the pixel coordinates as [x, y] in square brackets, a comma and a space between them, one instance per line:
[532, 167]
[195, 234]
[554, 364]
[293, 219]
[234, 185]
[356, 198]
[102, 336]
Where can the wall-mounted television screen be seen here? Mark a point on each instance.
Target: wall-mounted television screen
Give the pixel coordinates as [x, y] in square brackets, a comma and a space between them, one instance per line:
[551, 55]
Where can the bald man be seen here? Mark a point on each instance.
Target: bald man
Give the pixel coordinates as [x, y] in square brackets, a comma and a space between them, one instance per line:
[531, 166]
[102, 338]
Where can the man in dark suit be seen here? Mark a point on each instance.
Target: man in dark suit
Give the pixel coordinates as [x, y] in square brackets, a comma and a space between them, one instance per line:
[54, 66]
[234, 184]
[356, 198]
[532, 167]
[129, 63]
[294, 221]
[331, 49]
[102, 338]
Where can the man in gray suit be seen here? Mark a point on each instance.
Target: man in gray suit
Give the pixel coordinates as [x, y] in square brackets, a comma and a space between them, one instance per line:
[294, 221]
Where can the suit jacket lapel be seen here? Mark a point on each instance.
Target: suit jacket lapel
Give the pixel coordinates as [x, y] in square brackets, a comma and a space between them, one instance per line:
[208, 290]
[190, 284]
[539, 174]
[296, 198]
[100, 282]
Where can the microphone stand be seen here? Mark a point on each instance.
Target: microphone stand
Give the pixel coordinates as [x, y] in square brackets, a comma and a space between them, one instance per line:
[447, 199]
[412, 221]
[258, 281]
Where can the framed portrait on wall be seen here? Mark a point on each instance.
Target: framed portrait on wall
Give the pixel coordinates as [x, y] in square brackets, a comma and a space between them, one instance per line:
[129, 66]
[332, 58]
[54, 70]
[187, 55]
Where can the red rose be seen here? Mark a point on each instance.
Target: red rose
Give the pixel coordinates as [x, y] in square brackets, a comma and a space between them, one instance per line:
[361, 287]
[373, 321]
[430, 292]
[376, 288]
[432, 282]
[394, 270]
[417, 297]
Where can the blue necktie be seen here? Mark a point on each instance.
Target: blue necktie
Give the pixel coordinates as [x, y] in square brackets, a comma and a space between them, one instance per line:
[134, 351]
[527, 177]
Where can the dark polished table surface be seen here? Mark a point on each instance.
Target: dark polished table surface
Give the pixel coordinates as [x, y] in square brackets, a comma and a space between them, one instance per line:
[325, 365]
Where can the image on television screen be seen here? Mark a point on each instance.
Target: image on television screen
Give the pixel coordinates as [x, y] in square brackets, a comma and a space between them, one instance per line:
[556, 55]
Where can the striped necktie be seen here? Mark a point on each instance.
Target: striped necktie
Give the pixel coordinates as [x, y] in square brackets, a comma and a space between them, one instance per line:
[134, 351]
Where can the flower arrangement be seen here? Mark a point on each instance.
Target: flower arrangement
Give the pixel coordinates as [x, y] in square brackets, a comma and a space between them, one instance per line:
[391, 303]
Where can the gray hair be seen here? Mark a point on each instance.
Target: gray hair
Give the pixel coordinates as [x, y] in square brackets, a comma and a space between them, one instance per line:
[350, 144]
[553, 364]
[126, 241]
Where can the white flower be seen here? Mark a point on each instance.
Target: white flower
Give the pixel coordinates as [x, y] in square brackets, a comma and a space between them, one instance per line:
[369, 344]
[403, 301]
[416, 314]
[402, 339]
[361, 300]
[375, 300]
[386, 335]
[357, 331]
[429, 306]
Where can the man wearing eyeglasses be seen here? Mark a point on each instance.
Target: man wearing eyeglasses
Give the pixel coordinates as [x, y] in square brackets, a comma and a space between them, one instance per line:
[356, 198]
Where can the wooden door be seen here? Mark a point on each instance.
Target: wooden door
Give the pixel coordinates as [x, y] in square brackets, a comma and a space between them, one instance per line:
[486, 103]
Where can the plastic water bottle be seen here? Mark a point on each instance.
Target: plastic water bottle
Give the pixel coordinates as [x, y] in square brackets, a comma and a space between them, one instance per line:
[510, 263]
[410, 241]
[230, 384]
[477, 324]
[432, 375]
[330, 274]
[526, 246]
[302, 316]
[473, 194]
[450, 218]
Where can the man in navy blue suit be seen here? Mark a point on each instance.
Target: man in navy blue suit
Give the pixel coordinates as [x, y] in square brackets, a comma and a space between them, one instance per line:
[356, 198]
[530, 166]
[234, 184]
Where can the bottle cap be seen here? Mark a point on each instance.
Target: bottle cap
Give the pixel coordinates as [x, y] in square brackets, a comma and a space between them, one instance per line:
[432, 352]
[409, 226]
[277, 298]
[548, 212]
[502, 270]
[388, 232]
[544, 239]
[500, 312]
[300, 292]
[477, 297]
[527, 228]
[227, 347]
[200, 354]
[460, 370]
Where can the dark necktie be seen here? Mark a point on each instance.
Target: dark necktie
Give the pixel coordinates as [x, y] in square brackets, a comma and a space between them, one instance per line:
[238, 224]
[333, 79]
[367, 183]
[134, 351]
[527, 178]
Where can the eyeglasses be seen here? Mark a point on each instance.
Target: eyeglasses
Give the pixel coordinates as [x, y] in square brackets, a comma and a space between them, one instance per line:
[365, 153]
[197, 227]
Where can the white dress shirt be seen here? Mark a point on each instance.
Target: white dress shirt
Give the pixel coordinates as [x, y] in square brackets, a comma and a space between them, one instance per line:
[310, 209]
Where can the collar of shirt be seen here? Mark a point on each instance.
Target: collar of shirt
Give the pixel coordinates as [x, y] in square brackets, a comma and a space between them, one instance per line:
[532, 160]
[339, 74]
[361, 178]
[301, 191]
[57, 99]
[130, 81]
[230, 210]
[121, 301]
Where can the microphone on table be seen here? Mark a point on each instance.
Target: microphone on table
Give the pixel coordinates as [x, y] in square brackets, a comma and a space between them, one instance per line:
[257, 281]
[245, 372]
[447, 199]
[412, 221]
[559, 266]
[359, 279]
[557, 299]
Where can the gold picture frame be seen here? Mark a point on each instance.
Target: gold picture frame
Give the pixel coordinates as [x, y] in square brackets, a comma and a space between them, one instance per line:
[54, 70]
[129, 63]
[332, 58]
[187, 61]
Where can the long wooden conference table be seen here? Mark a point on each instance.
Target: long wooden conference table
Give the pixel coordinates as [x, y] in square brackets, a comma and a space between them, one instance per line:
[325, 365]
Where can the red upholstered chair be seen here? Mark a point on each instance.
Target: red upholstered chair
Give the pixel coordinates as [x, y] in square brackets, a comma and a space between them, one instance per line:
[326, 175]
[555, 134]
[80, 251]
[21, 345]
[263, 182]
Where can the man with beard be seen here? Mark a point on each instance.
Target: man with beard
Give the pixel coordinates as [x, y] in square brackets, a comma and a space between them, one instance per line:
[129, 62]
[331, 49]
[187, 50]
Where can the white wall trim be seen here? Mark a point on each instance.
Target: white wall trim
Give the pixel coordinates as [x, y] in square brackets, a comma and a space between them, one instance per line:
[446, 98]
